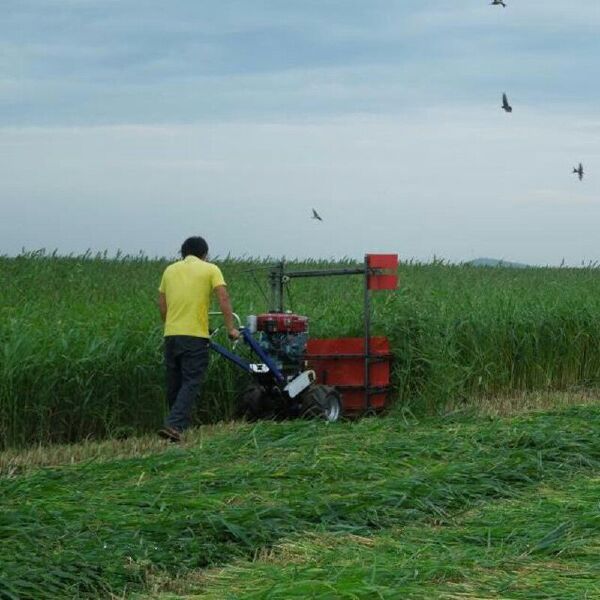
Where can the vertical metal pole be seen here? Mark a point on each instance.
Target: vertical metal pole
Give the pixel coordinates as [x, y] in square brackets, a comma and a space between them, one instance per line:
[281, 269]
[367, 337]
[273, 284]
[276, 281]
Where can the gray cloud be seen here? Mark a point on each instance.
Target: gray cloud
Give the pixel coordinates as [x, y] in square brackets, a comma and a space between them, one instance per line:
[123, 124]
[120, 62]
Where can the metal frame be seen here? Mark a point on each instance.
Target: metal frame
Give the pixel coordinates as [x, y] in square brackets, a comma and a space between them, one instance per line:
[244, 364]
[278, 277]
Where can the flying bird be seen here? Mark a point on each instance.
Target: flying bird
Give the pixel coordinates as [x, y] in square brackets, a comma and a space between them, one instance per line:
[505, 105]
[498, 3]
[579, 171]
[316, 215]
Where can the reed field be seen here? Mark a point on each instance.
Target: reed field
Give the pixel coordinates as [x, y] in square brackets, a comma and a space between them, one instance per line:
[82, 355]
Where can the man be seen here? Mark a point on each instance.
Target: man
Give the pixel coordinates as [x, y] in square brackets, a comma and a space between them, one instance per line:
[184, 301]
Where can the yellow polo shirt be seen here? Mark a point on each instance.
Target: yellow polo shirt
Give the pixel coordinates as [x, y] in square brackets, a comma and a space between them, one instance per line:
[188, 285]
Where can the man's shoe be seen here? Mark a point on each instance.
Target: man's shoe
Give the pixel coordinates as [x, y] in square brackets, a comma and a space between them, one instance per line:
[168, 433]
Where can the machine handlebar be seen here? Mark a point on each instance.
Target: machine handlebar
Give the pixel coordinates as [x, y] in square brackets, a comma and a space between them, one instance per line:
[235, 316]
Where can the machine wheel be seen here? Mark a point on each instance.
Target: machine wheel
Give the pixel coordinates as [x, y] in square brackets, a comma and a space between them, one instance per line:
[253, 403]
[321, 402]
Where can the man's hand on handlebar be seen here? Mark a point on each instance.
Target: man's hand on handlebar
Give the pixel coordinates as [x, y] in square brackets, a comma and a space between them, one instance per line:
[233, 333]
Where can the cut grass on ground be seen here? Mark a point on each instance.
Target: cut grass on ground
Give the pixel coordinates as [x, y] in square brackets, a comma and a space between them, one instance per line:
[19, 460]
[96, 528]
[545, 544]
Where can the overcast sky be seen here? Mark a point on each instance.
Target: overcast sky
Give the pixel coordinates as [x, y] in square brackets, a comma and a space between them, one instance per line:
[131, 124]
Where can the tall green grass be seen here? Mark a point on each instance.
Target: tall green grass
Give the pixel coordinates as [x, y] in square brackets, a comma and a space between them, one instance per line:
[81, 351]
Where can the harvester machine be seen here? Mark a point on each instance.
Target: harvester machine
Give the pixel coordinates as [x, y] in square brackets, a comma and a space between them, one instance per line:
[299, 376]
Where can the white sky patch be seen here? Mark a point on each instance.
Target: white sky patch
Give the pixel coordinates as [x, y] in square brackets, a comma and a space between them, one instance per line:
[549, 196]
[444, 182]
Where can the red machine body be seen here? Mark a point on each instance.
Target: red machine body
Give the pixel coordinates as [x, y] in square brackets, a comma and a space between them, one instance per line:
[281, 323]
[341, 362]
[358, 368]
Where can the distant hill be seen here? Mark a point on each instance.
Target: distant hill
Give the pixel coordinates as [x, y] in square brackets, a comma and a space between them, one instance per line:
[494, 262]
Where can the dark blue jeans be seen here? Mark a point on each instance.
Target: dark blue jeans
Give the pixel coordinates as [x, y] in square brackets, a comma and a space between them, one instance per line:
[186, 359]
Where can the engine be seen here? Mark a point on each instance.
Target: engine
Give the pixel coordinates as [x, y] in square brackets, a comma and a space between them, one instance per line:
[284, 337]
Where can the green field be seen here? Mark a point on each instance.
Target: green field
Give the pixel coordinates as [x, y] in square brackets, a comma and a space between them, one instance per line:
[482, 482]
[81, 338]
[461, 506]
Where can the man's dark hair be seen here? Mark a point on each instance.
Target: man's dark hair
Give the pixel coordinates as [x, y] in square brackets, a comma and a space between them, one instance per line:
[195, 246]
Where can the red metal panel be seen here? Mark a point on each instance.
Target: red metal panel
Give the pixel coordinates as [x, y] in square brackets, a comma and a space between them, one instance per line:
[341, 362]
[353, 401]
[388, 280]
[383, 282]
[382, 261]
[380, 346]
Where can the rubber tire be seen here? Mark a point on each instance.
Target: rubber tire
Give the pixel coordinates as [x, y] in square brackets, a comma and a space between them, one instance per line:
[252, 403]
[321, 402]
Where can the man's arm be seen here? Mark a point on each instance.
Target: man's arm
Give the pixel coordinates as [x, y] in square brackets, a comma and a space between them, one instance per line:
[162, 305]
[225, 305]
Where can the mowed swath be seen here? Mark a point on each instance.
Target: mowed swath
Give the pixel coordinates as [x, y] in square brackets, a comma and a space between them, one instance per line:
[111, 526]
[82, 353]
